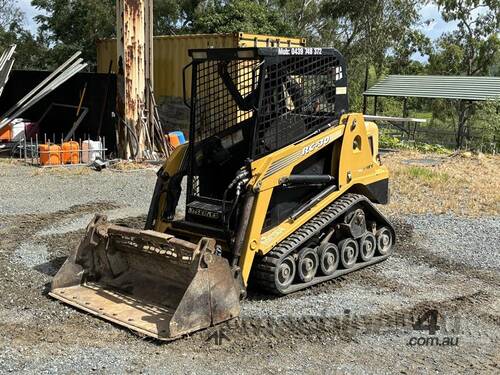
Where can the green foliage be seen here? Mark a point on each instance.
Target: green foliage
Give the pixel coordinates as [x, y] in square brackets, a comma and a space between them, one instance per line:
[400, 62]
[10, 15]
[474, 46]
[166, 13]
[472, 49]
[387, 141]
[487, 118]
[12, 31]
[30, 51]
[72, 26]
[427, 174]
[367, 32]
[239, 15]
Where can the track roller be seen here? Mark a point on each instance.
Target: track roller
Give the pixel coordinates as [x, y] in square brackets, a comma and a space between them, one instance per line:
[328, 255]
[307, 264]
[367, 245]
[285, 273]
[349, 250]
[385, 241]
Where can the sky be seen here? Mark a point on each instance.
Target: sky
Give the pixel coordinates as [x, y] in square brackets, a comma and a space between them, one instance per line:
[29, 13]
[429, 12]
[437, 26]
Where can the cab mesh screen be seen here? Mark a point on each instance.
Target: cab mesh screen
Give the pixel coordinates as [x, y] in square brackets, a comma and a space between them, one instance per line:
[298, 97]
[216, 108]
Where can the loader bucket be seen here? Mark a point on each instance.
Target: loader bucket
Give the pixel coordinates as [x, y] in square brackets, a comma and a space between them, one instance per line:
[150, 282]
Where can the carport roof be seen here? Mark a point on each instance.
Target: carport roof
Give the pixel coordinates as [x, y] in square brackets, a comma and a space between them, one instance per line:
[445, 87]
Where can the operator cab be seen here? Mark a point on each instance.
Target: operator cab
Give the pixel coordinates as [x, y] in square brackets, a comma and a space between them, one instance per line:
[249, 102]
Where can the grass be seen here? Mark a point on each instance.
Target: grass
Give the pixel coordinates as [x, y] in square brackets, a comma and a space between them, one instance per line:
[455, 183]
[131, 166]
[9, 161]
[426, 175]
[62, 171]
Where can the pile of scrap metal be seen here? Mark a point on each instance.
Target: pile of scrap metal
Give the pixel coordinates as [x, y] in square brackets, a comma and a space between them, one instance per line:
[59, 76]
[6, 63]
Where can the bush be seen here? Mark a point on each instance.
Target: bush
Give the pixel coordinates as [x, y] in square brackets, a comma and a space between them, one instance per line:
[387, 141]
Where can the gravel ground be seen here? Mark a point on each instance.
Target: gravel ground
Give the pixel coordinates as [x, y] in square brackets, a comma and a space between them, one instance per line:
[356, 324]
[29, 190]
[471, 239]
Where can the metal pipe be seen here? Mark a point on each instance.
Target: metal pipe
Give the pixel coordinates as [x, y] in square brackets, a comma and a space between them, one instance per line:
[25, 145]
[7, 55]
[54, 84]
[51, 87]
[393, 119]
[44, 83]
[31, 150]
[313, 201]
[296, 179]
[242, 228]
[37, 156]
[46, 90]
[77, 123]
[5, 75]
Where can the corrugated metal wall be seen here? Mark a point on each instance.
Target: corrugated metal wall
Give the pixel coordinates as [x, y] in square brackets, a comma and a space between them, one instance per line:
[171, 54]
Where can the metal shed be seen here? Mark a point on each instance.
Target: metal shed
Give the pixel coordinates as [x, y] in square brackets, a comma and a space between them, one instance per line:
[445, 87]
[464, 89]
[434, 87]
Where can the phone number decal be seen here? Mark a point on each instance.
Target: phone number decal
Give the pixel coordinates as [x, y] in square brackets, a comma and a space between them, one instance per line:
[300, 51]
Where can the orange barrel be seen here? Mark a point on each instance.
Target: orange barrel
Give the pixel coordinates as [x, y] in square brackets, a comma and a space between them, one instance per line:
[70, 153]
[6, 133]
[50, 154]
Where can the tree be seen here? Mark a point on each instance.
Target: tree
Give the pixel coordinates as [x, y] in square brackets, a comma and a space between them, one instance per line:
[472, 49]
[238, 16]
[401, 60]
[30, 49]
[166, 14]
[10, 14]
[367, 32]
[72, 26]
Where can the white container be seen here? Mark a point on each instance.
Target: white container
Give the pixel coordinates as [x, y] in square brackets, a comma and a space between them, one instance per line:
[91, 150]
[18, 126]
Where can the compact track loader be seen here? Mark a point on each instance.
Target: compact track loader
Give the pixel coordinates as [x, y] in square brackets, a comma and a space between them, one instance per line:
[280, 182]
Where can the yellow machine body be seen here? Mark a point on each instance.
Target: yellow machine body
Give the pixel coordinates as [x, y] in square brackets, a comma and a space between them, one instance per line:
[355, 161]
[279, 181]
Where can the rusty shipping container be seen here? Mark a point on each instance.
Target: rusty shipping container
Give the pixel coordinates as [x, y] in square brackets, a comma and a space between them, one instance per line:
[171, 54]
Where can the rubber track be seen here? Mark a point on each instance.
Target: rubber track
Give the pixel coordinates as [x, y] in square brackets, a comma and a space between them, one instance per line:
[265, 268]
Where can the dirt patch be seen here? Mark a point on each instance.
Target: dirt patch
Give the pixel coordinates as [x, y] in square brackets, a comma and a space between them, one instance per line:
[383, 314]
[456, 184]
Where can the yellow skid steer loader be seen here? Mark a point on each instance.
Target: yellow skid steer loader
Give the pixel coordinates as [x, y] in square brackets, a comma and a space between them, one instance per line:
[280, 184]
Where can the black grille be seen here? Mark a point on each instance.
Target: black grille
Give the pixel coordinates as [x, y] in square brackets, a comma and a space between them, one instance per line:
[252, 101]
[298, 97]
[215, 107]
